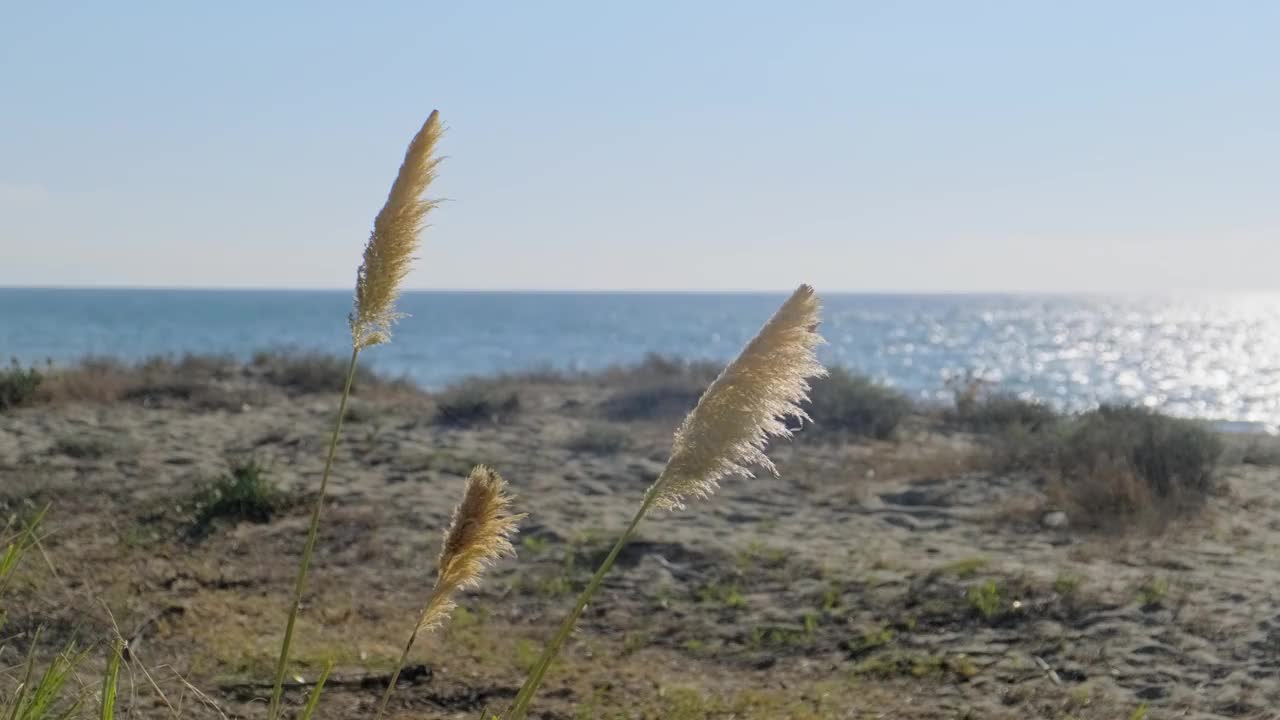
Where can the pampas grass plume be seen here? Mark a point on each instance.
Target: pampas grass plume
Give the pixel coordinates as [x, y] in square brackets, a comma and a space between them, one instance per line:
[395, 238]
[726, 433]
[479, 533]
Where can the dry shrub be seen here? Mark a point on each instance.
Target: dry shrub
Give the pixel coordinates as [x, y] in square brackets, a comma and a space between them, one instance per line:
[999, 411]
[845, 404]
[92, 380]
[1116, 465]
[308, 372]
[207, 382]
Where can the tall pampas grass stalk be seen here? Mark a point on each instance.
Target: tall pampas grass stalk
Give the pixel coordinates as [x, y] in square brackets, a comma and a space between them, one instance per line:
[724, 435]
[388, 256]
[479, 533]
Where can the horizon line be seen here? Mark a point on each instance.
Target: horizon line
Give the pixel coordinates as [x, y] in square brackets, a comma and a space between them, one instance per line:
[642, 291]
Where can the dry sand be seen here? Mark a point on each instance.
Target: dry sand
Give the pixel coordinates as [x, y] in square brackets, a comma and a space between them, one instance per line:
[847, 588]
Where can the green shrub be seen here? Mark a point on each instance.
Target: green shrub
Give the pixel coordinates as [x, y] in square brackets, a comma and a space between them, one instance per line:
[18, 385]
[247, 493]
[474, 402]
[845, 403]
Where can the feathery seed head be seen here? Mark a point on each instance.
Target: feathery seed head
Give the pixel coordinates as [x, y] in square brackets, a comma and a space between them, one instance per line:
[479, 533]
[395, 237]
[726, 433]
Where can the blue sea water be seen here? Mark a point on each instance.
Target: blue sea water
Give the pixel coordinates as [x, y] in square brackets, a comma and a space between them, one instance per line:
[1213, 356]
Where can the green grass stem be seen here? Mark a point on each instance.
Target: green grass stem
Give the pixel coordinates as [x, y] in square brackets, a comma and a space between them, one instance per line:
[273, 710]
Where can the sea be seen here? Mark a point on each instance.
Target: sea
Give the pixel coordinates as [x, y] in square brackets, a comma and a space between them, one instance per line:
[1212, 356]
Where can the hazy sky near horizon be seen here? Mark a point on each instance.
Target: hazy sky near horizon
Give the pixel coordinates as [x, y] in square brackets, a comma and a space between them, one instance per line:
[916, 146]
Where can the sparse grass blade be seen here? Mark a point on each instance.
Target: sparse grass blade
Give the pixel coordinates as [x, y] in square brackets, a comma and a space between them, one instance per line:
[15, 550]
[313, 698]
[39, 701]
[20, 693]
[110, 682]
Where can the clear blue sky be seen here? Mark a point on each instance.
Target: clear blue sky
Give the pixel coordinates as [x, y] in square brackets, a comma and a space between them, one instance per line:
[950, 146]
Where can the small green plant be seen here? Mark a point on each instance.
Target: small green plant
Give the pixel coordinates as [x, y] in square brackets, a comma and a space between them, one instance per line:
[965, 568]
[535, 544]
[18, 385]
[1066, 584]
[830, 598]
[1139, 713]
[246, 493]
[724, 595]
[984, 598]
[1151, 593]
[870, 639]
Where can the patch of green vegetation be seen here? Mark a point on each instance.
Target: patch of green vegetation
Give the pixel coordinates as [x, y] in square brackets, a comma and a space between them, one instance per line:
[758, 553]
[1152, 592]
[1139, 713]
[871, 639]
[1067, 584]
[916, 665]
[984, 598]
[830, 598]
[725, 595]
[88, 446]
[526, 654]
[600, 440]
[534, 544]
[753, 704]
[634, 640]
[18, 385]
[247, 493]
[965, 568]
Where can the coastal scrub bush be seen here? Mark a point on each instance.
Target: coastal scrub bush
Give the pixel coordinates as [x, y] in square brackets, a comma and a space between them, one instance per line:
[658, 388]
[474, 402]
[853, 405]
[310, 372]
[18, 385]
[999, 411]
[1116, 463]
